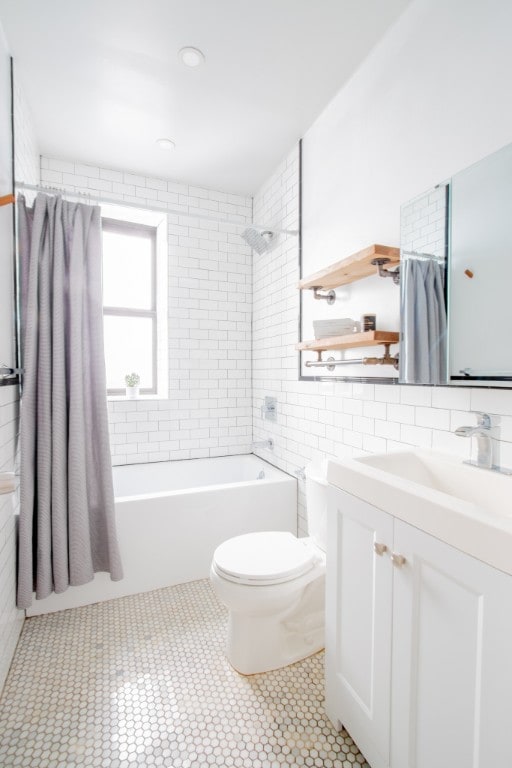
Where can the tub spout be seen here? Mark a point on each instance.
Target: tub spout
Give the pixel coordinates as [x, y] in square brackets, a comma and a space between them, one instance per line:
[267, 444]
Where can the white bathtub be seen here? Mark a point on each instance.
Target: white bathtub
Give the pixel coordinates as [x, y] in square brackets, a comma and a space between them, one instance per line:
[172, 515]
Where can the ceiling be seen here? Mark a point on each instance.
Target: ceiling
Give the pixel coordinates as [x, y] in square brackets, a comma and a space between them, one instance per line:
[104, 81]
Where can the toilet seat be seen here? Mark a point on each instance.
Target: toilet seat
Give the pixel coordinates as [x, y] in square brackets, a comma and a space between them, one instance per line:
[261, 559]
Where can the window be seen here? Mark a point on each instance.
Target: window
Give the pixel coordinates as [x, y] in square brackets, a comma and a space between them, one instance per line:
[130, 304]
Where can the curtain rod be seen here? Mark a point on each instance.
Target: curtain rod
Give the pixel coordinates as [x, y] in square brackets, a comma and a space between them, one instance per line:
[420, 256]
[156, 209]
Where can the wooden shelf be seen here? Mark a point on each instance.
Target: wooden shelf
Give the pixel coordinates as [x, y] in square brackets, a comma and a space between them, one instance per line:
[350, 341]
[353, 268]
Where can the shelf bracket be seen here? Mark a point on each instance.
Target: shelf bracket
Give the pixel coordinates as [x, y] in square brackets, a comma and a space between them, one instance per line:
[395, 273]
[329, 297]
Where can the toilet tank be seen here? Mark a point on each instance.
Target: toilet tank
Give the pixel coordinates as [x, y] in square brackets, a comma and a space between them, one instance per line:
[316, 502]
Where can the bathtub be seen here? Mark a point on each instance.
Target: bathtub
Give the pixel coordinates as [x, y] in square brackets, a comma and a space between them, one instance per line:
[172, 515]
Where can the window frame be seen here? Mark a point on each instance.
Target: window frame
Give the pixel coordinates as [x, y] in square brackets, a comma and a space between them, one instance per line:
[130, 227]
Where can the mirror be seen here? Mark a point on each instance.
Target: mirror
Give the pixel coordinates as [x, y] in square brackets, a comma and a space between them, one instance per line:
[424, 225]
[456, 311]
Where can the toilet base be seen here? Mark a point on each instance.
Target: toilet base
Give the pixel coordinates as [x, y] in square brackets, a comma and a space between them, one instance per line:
[259, 643]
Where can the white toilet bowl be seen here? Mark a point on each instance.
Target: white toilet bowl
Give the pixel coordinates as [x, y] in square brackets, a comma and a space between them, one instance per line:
[273, 585]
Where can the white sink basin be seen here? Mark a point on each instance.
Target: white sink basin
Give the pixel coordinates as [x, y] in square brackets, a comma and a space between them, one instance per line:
[489, 490]
[467, 507]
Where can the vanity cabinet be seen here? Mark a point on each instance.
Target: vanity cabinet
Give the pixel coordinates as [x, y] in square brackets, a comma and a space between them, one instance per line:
[418, 644]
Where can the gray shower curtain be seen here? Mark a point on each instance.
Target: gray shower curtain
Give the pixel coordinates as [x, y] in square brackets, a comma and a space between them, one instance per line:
[423, 349]
[67, 525]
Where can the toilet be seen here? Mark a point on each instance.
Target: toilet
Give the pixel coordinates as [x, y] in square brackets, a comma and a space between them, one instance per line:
[273, 585]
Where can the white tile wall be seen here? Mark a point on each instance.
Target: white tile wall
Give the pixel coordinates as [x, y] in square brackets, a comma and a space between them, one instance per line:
[423, 222]
[26, 158]
[318, 419]
[11, 619]
[208, 409]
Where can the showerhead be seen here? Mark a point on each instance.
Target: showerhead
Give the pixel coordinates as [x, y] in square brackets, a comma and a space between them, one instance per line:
[260, 241]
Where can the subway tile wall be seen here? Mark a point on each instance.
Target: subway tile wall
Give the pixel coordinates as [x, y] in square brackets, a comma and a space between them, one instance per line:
[208, 408]
[26, 155]
[11, 619]
[316, 420]
[423, 223]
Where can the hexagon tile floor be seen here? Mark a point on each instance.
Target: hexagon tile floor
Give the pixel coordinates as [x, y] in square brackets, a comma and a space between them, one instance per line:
[142, 681]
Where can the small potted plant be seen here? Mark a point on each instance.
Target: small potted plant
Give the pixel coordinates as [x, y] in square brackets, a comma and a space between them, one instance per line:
[132, 381]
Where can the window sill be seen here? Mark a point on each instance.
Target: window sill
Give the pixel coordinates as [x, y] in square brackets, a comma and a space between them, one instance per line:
[124, 399]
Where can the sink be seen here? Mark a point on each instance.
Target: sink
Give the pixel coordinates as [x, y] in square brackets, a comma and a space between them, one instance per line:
[490, 491]
[467, 507]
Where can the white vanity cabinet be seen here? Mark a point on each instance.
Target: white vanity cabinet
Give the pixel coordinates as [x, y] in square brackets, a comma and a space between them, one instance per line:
[418, 644]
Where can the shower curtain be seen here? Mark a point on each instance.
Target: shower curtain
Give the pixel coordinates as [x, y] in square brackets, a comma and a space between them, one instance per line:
[66, 526]
[423, 348]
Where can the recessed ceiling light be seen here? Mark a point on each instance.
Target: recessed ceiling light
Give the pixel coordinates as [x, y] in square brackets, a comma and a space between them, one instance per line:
[191, 57]
[167, 144]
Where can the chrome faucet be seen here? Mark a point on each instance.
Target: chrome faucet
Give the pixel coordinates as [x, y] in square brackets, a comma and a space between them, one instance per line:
[267, 444]
[482, 432]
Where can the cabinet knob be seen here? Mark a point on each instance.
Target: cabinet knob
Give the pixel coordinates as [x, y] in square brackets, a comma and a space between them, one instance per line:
[398, 560]
[379, 549]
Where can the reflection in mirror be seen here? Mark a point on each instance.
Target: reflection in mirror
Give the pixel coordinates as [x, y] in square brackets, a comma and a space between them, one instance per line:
[456, 312]
[480, 275]
[423, 338]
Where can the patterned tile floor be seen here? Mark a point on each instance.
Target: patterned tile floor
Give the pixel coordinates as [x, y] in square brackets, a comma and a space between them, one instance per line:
[142, 681]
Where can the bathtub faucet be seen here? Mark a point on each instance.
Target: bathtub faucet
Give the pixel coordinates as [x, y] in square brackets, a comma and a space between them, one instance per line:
[267, 444]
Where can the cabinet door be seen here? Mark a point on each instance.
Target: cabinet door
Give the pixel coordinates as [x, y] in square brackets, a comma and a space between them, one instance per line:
[452, 650]
[358, 623]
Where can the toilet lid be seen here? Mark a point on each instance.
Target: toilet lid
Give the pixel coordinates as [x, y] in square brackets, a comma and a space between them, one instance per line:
[264, 558]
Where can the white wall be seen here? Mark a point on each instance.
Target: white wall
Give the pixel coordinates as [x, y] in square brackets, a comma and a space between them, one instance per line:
[207, 411]
[26, 158]
[432, 98]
